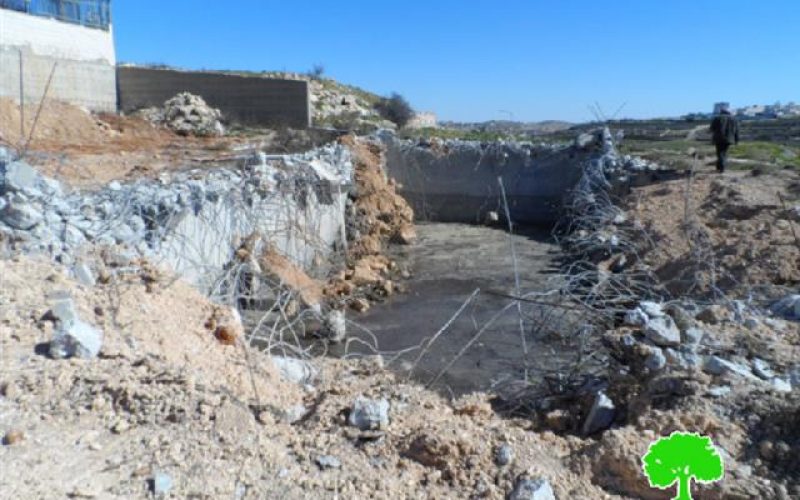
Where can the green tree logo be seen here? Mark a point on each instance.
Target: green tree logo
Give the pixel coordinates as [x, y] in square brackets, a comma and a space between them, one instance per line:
[682, 457]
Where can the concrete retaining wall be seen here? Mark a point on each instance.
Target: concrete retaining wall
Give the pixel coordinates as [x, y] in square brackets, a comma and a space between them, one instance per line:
[85, 74]
[245, 100]
[456, 181]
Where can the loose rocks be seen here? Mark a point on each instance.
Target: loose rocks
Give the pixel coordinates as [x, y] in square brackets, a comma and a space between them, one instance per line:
[328, 462]
[532, 489]
[369, 414]
[188, 114]
[663, 331]
[76, 339]
[601, 415]
[295, 370]
[504, 455]
[788, 307]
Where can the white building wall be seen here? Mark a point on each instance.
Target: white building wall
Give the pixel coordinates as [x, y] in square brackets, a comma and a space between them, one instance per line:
[48, 37]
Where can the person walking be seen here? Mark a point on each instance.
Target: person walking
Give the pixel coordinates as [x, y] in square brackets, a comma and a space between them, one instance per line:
[724, 132]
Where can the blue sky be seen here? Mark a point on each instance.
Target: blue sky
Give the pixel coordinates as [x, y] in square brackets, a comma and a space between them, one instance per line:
[478, 60]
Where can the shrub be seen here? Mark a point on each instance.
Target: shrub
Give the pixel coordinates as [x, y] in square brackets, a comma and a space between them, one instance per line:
[396, 109]
[316, 72]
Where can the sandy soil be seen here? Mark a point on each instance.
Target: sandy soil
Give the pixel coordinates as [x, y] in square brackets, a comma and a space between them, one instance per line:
[166, 396]
[737, 225]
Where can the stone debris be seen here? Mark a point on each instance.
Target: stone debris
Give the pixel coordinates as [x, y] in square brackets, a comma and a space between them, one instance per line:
[601, 415]
[656, 361]
[146, 215]
[73, 337]
[21, 213]
[762, 369]
[162, 484]
[656, 325]
[504, 455]
[295, 370]
[719, 391]
[369, 414]
[294, 414]
[186, 114]
[532, 489]
[84, 274]
[77, 339]
[788, 307]
[718, 366]
[781, 385]
[328, 462]
[693, 336]
[336, 325]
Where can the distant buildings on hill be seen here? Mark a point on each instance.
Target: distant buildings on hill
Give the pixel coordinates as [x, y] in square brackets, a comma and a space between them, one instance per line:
[754, 112]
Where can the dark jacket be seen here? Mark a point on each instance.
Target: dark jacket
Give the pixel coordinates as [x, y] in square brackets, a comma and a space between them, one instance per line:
[725, 129]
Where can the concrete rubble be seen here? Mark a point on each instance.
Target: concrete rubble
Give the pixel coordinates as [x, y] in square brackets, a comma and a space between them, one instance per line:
[369, 414]
[186, 114]
[73, 337]
[601, 415]
[532, 489]
[295, 370]
[788, 307]
[188, 221]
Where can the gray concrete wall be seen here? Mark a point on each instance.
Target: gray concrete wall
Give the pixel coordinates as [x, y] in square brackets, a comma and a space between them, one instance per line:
[457, 181]
[244, 100]
[91, 84]
[85, 74]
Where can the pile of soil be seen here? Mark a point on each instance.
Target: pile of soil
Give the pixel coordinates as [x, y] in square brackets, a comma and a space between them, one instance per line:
[377, 216]
[166, 397]
[88, 150]
[58, 124]
[736, 237]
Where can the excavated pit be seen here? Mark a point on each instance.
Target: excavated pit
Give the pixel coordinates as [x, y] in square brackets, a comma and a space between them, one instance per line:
[454, 188]
[450, 262]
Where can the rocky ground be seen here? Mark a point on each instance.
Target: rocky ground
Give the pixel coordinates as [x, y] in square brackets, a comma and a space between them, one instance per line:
[169, 407]
[89, 151]
[135, 385]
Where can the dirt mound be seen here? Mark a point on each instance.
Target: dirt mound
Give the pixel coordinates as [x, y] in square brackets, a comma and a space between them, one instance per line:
[730, 233]
[377, 216]
[58, 123]
[166, 402]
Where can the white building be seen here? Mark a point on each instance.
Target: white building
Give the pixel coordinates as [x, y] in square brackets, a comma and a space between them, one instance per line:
[74, 37]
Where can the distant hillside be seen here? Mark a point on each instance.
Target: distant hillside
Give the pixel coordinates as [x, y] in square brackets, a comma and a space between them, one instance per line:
[511, 127]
